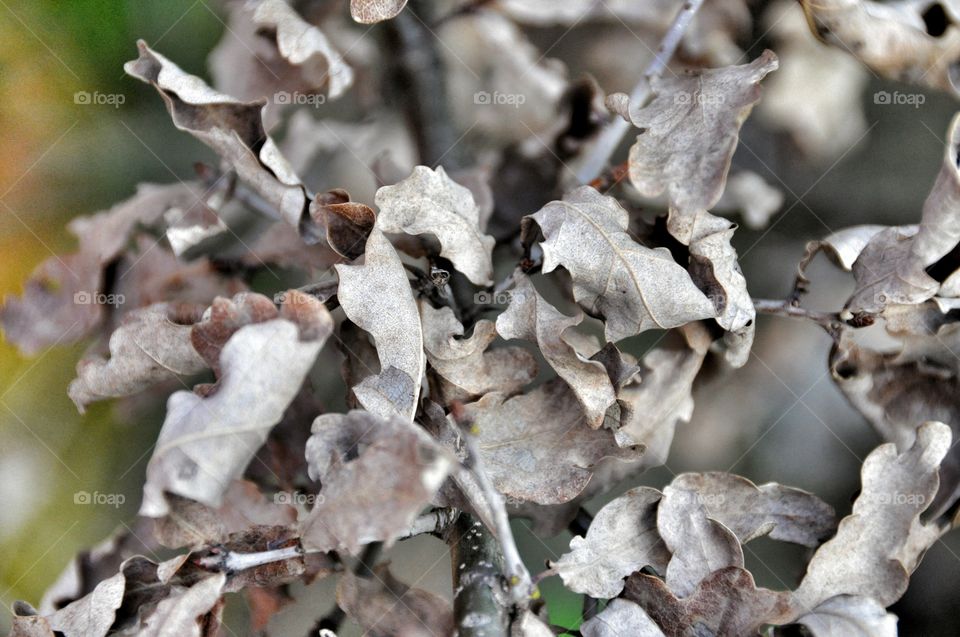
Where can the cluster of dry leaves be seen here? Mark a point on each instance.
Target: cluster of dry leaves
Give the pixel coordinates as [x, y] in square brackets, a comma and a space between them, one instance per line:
[256, 487]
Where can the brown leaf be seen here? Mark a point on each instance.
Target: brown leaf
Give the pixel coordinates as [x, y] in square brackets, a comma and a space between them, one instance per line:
[892, 39]
[531, 317]
[223, 319]
[727, 602]
[347, 223]
[537, 447]
[64, 299]
[429, 202]
[466, 368]
[150, 346]
[206, 442]
[688, 132]
[386, 607]
[232, 128]
[377, 474]
[631, 286]
[622, 539]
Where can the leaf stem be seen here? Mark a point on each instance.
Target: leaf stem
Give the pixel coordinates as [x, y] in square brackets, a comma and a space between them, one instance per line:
[831, 322]
[608, 141]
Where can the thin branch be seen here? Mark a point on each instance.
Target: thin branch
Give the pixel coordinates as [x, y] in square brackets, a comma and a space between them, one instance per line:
[480, 603]
[608, 141]
[831, 322]
[233, 561]
[521, 586]
[437, 521]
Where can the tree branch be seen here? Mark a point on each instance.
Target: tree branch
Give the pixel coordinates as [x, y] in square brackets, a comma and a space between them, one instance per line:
[831, 322]
[608, 141]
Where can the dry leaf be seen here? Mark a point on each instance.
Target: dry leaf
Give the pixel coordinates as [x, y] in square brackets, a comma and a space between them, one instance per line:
[386, 607]
[371, 11]
[347, 223]
[150, 346]
[699, 545]
[727, 602]
[631, 286]
[749, 511]
[429, 202]
[467, 369]
[893, 39]
[850, 616]
[620, 617]
[622, 539]
[377, 474]
[269, 51]
[881, 542]
[232, 128]
[531, 317]
[377, 297]
[537, 447]
[688, 132]
[206, 442]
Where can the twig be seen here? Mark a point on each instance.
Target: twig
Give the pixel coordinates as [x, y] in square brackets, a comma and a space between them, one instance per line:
[480, 604]
[521, 586]
[832, 323]
[437, 521]
[234, 561]
[421, 84]
[608, 141]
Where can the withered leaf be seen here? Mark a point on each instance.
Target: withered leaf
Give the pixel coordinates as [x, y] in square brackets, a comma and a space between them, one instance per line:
[223, 318]
[371, 11]
[622, 539]
[891, 267]
[269, 48]
[348, 223]
[466, 367]
[377, 474]
[429, 202]
[206, 442]
[688, 132]
[850, 615]
[182, 614]
[64, 301]
[892, 38]
[531, 317]
[726, 602]
[652, 407]
[377, 297]
[881, 542]
[715, 270]
[750, 511]
[633, 287]
[537, 447]
[93, 615]
[386, 607]
[699, 544]
[232, 128]
[621, 617]
[151, 345]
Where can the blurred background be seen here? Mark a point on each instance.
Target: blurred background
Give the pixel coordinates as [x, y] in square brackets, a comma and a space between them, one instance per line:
[778, 419]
